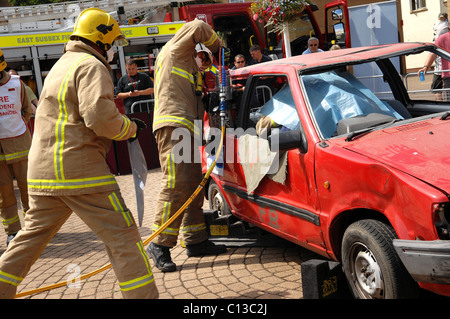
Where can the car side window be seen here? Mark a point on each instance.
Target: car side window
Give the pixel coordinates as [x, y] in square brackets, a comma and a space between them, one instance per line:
[269, 103]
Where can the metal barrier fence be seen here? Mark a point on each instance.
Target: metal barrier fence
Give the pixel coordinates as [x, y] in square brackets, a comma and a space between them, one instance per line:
[417, 90]
[143, 106]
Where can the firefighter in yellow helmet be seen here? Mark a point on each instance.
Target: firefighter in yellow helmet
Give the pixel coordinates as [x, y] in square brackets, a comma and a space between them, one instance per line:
[2, 61]
[15, 141]
[179, 109]
[75, 123]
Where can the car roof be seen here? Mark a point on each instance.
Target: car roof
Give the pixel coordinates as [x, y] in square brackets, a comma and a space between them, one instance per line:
[328, 59]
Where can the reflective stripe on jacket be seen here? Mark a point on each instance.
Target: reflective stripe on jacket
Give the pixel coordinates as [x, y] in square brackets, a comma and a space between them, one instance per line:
[75, 122]
[175, 101]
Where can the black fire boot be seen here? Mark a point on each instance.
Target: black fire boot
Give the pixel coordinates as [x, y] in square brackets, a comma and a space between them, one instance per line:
[161, 257]
[205, 248]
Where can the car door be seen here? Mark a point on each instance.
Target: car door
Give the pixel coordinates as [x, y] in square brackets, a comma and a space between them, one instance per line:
[285, 204]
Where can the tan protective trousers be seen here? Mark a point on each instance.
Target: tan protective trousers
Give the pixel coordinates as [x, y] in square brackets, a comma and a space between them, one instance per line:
[8, 202]
[179, 180]
[107, 216]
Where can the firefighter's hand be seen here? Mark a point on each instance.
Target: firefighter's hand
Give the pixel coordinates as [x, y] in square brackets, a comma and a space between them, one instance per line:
[140, 126]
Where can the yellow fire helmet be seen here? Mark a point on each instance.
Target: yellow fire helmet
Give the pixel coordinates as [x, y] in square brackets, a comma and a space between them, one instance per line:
[98, 27]
[2, 61]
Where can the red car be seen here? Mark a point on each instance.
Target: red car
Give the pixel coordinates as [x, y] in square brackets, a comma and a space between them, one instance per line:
[332, 152]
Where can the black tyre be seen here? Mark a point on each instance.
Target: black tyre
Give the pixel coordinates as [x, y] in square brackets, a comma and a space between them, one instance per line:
[371, 265]
[216, 200]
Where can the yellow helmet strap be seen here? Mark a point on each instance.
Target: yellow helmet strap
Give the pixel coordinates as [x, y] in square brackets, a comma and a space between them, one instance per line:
[103, 46]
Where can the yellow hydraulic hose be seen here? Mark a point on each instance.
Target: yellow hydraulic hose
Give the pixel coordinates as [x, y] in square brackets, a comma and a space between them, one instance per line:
[150, 238]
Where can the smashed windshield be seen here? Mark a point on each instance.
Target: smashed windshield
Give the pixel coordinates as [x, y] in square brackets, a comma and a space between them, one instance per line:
[337, 95]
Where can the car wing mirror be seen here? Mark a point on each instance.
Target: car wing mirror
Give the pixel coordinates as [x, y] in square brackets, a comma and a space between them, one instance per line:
[287, 140]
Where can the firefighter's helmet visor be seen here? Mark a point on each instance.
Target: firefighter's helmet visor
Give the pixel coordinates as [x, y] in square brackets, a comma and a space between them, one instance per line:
[121, 41]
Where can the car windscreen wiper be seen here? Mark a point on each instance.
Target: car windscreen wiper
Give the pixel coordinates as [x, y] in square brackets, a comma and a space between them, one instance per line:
[445, 115]
[356, 134]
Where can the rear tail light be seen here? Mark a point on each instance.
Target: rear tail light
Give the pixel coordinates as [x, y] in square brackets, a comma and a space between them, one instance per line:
[442, 219]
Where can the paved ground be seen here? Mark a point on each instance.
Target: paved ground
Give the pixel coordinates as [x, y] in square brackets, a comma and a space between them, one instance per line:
[241, 273]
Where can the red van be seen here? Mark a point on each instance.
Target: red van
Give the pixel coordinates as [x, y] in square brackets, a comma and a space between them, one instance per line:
[237, 28]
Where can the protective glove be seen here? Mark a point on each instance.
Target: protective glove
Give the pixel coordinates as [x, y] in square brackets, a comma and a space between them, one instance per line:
[140, 126]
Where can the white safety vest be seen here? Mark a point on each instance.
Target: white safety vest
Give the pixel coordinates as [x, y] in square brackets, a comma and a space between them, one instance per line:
[11, 121]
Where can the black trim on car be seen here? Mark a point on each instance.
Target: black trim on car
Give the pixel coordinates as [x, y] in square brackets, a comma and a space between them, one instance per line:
[277, 205]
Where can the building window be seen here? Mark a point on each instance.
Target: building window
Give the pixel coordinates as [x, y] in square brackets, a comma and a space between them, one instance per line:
[418, 4]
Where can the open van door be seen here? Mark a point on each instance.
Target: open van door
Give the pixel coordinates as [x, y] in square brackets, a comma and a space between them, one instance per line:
[301, 28]
[337, 24]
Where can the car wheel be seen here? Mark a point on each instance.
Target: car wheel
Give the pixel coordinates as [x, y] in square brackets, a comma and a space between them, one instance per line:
[371, 265]
[216, 200]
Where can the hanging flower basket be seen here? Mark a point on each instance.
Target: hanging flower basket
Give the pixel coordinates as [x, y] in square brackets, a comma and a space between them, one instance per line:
[277, 12]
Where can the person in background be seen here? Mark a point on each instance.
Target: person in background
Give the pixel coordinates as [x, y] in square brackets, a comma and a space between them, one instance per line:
[239, 61]
[313, 46]
[33, 98]
[441, 23]
[335, 47]
[266, 82]
[442, 41]
[15, 142]
[439, 29]
[134, 86]
[257, 56]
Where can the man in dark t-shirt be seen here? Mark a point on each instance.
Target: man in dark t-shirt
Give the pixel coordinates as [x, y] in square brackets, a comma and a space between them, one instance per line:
[265, 82]
[257, 56]
[134, 86]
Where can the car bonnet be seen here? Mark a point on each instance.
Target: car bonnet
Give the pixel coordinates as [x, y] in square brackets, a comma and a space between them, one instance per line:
[419, 149]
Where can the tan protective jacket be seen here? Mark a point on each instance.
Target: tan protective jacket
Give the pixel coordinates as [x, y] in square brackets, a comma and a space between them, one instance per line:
[16, 149]
[75, 122]
[175, 101]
